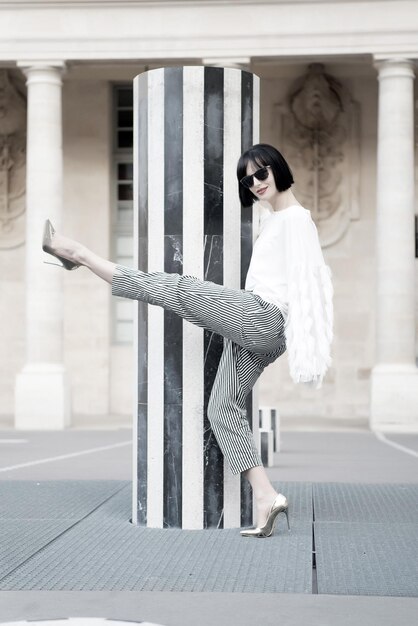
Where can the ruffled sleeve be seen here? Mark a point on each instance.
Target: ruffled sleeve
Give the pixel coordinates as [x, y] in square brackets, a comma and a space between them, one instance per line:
[309, 323]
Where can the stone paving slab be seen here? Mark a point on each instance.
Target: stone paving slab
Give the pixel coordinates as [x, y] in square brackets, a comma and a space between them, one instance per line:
[410, 441]
[21, 539]
[299, 495]
[106, 552]
[374, 503]
[323, 457]
[212, 609]
[54, 499]
[366, 543]
[360, 558]
[32, 514]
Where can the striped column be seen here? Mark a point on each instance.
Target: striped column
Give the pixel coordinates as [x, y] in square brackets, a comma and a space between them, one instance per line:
[191, 125]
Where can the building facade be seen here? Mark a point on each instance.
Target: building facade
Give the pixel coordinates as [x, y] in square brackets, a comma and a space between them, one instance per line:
[337, 98]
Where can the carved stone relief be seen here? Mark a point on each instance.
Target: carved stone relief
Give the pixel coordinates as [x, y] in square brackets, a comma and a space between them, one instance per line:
[12, 161]
[320, 137]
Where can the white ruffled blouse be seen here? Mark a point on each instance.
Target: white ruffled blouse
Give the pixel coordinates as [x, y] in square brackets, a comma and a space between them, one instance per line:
[287, 268]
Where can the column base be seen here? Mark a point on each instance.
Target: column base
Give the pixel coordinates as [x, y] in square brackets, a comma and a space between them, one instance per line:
[394, 398]
[42, 398]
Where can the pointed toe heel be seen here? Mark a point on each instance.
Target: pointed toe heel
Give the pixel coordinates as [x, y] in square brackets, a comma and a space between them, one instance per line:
[47, 247]
[280, 505]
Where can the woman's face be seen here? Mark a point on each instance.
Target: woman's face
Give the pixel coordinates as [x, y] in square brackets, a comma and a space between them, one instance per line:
[262, 189]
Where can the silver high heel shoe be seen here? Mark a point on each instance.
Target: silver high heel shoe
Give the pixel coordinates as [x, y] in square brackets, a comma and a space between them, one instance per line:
[47, 247]
[280, 505]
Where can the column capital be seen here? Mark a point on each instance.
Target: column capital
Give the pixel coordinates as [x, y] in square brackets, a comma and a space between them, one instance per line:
[389, 66]
[48, 71]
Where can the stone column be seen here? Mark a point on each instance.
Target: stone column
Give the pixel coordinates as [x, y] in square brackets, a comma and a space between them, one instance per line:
[191, 125]
[394, 393]
[41, 397]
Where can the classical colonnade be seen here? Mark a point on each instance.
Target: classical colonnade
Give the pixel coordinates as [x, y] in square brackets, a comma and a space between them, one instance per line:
[394, 377]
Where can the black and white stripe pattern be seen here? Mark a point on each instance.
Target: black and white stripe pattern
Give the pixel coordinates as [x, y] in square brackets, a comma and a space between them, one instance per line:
[254, 337]
[140, 409]
[250, 122]
[173, 325]
[188, 138]
[213, 207]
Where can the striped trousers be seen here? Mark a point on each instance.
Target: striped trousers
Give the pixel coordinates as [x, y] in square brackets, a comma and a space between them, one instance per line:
[254, 337]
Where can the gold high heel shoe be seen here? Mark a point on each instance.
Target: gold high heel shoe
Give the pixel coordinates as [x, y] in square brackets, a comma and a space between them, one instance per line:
[280, 505]
[47, 247]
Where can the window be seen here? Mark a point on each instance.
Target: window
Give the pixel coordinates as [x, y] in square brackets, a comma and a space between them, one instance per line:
[122, 193]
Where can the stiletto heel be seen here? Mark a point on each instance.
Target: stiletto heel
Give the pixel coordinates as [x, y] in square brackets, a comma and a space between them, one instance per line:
[47, 247]
[286, 512]
[280, 505]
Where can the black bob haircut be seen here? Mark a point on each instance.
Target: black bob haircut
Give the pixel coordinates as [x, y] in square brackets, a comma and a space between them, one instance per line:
[263, 154]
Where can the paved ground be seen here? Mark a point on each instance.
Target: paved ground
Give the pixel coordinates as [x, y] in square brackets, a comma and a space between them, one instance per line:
[346, 455]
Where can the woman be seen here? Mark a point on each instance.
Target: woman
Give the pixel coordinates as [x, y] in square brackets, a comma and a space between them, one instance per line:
[286, 304]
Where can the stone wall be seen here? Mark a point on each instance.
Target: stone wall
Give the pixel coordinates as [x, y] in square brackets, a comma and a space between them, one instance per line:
[101, 373]
[345, 392]
[12, 234]
[87, 145]
[12, 325]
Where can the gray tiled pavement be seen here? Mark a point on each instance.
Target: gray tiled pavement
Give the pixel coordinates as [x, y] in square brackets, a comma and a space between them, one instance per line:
[348, 469]
[105, 552]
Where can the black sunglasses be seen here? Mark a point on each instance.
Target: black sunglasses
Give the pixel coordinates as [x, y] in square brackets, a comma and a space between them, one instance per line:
[260, 174]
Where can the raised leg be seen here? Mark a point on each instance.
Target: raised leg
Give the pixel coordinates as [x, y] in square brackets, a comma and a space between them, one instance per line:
[254, 338]
[235, 314]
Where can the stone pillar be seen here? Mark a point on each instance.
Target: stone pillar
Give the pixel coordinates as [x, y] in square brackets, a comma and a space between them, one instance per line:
[41, 395]
[191, 125]
[394, 392]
